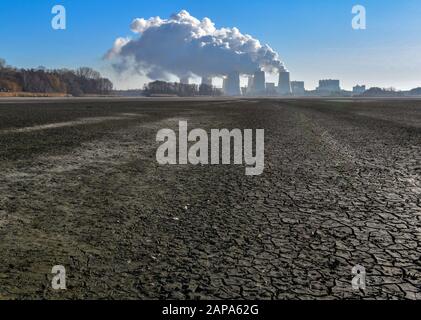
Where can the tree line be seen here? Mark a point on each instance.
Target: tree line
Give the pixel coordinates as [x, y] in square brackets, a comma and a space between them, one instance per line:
[41, 80]
[180, 89]
[390, 92]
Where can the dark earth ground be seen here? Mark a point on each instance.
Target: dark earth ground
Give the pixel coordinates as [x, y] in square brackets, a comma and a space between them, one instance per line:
[80, 187]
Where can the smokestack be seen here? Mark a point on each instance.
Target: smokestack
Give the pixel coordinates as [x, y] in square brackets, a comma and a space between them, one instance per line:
[284, 86]
[232, 85]
[259, 82]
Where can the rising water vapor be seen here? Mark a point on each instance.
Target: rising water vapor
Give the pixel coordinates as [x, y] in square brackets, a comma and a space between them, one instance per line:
[185, 46]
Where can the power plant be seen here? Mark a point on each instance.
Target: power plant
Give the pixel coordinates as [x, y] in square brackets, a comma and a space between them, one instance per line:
[237, 84]
[256, 84]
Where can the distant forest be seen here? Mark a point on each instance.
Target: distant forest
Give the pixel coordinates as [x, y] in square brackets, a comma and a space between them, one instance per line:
[41, 80]
[390, 92]
[179, 89]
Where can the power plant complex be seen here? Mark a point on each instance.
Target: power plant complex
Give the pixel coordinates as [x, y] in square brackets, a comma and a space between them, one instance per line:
[257, 86]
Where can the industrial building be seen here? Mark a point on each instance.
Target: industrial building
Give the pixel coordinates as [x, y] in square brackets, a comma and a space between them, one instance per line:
[284, 85]
[257, 85]
[184, 80]
[359, 89]
[329, 86]
[207, 81]
[270, 86]
[297, 88]
[271, 89]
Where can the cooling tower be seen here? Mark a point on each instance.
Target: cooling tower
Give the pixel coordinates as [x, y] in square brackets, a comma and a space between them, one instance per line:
[250, 85]
[232, 86]
[259, 82]
[284, 86]
[224, 85]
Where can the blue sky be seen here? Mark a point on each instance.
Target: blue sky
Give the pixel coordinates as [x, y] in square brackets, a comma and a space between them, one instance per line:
[313, 37]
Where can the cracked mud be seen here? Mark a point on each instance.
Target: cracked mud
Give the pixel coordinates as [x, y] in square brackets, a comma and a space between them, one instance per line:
[80, 187]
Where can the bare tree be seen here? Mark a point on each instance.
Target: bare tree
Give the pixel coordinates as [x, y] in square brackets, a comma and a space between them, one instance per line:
[88, 73]
[79, 82]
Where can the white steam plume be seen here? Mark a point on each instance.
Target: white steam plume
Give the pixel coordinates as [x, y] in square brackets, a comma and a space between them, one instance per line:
[183, 46]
